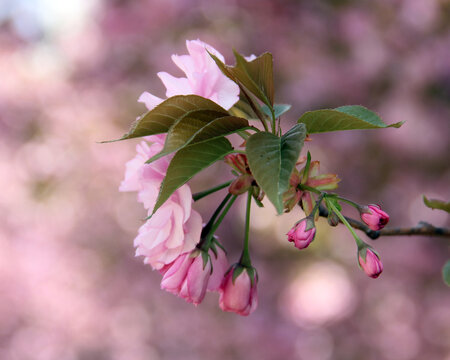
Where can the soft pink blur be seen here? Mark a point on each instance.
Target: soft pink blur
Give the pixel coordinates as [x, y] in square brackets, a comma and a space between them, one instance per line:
[71, 73]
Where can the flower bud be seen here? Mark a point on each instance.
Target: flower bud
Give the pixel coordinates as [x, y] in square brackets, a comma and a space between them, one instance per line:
[333, 219]
[370, 262]
[302, 233]
[238, 291]
[374, 217]
[241, 184]
[238, 162]
[188, 276]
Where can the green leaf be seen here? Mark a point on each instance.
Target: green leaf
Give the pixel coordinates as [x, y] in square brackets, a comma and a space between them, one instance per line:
[446, 273]
[351, 117]
[255, 75]
[190, 130]
[165, 115]
[279, 109]
[188, 162]
[437, 204]
[272, 160]
[243, 109]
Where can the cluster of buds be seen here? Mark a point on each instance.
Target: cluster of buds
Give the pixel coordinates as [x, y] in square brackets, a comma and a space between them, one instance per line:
[310, 177]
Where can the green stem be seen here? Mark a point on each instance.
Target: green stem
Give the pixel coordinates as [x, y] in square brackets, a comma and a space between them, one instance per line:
[211, 221]
[235, 151]
[330, 205]
[214, 227]
[316, 207]
[202, 194]
[245, 257]
[352, 203]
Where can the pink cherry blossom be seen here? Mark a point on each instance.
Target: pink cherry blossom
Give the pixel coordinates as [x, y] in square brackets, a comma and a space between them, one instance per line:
[172, 230]
[203, 78]
[241, 296]
[175, 228]
[373, 265]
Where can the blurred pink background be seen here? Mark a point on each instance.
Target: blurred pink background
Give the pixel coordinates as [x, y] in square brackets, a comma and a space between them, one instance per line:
[70, 74]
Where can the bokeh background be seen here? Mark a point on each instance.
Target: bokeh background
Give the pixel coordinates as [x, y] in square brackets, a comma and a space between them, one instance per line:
[70, 286]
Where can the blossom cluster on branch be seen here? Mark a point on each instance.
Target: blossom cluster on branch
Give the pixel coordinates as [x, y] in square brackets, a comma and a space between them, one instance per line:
[187, 132]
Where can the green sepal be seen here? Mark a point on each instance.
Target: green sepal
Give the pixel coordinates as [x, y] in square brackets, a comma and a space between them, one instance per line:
[305, 172]
[238, 269]
[252, 273]
[205, 258]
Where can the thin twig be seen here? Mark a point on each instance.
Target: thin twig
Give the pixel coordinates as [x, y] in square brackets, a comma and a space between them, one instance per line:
[422, 228]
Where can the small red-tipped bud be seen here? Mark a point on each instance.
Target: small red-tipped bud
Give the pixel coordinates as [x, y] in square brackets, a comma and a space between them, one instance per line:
[241, 184]
[372, 264]
[333, 219]
[238, 162]
[374, 217]
[302, 233]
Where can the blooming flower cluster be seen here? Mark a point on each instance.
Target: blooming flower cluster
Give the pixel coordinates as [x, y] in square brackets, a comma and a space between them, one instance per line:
[169, 240]
[174, 240]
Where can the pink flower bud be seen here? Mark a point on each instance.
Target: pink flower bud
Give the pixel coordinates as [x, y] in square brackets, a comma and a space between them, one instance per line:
[374, 217]
[241, 184]
[300, 235]
[372, 266]
[241, 296]
[187, 277]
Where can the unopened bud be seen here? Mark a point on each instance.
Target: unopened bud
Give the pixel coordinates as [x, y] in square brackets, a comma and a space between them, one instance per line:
[370, 262]
[333, 219]
[374, 217]
[302, 233]
[241, 184]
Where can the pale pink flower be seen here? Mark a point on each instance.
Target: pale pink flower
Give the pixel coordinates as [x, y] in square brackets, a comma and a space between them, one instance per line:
[239, 297]
[135, 167]
[373, 265]
[189, 277]
[300, 236]
[203, 78]
[172, 230]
